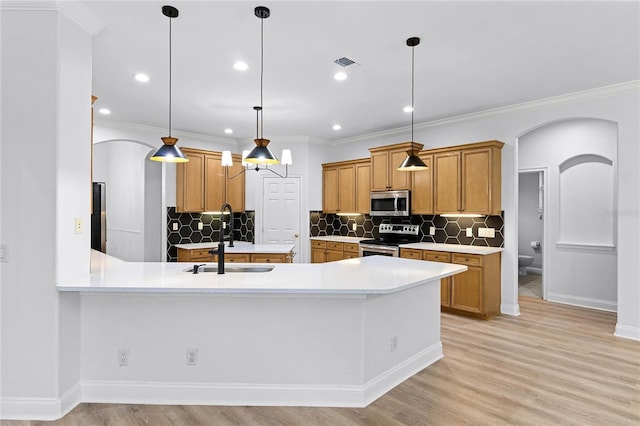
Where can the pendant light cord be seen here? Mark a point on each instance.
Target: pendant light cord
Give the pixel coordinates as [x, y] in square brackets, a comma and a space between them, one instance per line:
[170, 19]
[412, 88]
[261, 71]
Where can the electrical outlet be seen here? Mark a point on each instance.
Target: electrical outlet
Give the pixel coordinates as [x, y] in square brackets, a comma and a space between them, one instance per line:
[200, 226]
[354, 226]
[481, 232]
[490, 232]
[393, 344]
[192, 356]
[469, 232]
[175, 226]
[432, 230]
[123, 357]
[78, 227]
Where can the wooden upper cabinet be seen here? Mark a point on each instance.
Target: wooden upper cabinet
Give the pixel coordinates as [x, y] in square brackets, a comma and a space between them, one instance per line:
[467, 178]
[190, 182]
[235, 187]
[202, 185]
[345, 186]
[214, 183]
[446, 172]
[422, 193]
[363, 187]
[384, 167]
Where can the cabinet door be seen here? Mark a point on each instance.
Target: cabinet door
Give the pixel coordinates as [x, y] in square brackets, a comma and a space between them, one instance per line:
[445, 292]
[422, 193]
[363, 188]
[318, 255]
[476, 166]
[235, 187]
[214, 183]
[330, 192]
[398, 179]
[346, 187]
[333, 255]
[446, 168]
[379, 166]
[466, 290]
[190, 183]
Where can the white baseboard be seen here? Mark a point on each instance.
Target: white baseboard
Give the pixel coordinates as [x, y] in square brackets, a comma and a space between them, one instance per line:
[164, 393]
[513, 310]
[585, 302]
[44, 409]
[627, 332]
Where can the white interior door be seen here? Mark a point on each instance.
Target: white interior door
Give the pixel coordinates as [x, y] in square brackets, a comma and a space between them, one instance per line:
[281, 212]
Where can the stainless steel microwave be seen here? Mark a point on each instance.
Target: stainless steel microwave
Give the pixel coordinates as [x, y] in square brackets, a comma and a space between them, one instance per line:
[390, 203]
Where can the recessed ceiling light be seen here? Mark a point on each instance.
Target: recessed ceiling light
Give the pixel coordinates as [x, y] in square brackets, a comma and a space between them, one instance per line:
[104, 111]
[407, 109]
[336, 127]
[141, 77]
[228, 131]
[241, 66]
[340, 76]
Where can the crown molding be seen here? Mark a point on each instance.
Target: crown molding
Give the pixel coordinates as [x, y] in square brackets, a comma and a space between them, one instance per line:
[600, 92]
[72, 9]
[176, 133]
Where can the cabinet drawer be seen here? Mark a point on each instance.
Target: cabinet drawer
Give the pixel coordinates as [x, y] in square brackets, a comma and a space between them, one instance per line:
[348, 255]
[269, 258]
[351, 248]
[467, 259]
[201, 254]
[318, 244]
[332, 245]
[437, 256]
[411, 254]
[237, 258]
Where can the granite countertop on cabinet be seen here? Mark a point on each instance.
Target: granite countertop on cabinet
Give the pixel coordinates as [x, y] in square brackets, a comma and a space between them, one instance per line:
[241, 247]
[339, 239]
[453, 248]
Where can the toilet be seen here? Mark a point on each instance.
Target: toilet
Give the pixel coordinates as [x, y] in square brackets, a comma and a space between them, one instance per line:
[523, 262]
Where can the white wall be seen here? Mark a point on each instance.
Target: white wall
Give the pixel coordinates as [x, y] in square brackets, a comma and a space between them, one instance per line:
[580, 260]
[529, 219]
[46, 92]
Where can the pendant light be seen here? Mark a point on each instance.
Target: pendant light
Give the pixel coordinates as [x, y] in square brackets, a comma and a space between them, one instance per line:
[261, 154]
[413, 161]
[169, 152]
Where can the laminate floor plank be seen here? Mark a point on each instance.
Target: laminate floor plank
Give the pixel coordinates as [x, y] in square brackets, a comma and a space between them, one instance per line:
[553, 365]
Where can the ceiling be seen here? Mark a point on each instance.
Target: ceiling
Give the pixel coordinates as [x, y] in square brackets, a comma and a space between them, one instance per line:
[474, 56]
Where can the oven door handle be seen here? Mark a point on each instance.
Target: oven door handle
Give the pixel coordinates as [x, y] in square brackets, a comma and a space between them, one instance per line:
[395, 203]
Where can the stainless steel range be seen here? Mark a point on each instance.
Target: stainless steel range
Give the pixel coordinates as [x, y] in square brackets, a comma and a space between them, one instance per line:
[390, 236]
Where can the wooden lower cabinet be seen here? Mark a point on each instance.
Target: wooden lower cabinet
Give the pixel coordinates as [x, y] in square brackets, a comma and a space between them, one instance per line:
[329, 251]
[203, 255]
[475, 292]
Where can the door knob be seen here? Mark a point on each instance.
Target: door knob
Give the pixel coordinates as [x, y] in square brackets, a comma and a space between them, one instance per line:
[295, 235]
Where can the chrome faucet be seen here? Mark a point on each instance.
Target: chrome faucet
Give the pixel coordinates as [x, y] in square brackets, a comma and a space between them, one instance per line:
[220, 250]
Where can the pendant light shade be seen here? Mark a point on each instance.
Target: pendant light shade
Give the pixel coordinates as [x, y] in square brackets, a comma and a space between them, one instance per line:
[413, 161]
[169, 152]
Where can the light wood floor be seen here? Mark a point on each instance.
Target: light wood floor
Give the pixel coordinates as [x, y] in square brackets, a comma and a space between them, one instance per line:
[553, 365]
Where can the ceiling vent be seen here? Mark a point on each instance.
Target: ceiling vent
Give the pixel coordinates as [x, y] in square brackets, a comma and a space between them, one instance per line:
[344, 62]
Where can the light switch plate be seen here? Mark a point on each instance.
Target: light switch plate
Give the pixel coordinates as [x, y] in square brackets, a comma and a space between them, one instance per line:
[175, 226]
[354, 226]
[432, 230]
[490, 232]
[469, 232]
[481, 232]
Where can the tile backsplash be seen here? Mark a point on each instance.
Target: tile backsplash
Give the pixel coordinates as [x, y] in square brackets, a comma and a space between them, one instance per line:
[449, 230]
[188, 232]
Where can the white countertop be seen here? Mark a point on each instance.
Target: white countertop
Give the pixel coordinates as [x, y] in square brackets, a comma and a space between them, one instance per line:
[366, 275]
[241, 247]
[339, 239]
[453, 248]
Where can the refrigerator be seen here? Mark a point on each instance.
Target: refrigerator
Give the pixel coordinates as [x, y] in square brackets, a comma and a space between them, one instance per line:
[99, 217]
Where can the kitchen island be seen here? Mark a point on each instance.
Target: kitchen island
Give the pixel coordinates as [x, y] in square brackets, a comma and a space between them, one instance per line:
[334, 334]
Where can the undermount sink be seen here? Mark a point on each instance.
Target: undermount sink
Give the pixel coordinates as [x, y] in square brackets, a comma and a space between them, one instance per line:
[232, 268]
